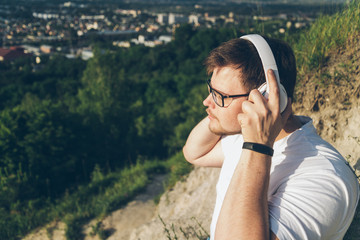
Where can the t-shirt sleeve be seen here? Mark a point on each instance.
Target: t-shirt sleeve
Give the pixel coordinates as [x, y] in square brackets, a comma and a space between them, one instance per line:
[311, 206]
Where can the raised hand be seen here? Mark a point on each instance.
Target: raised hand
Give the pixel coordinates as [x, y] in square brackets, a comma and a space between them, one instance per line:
[261, 120]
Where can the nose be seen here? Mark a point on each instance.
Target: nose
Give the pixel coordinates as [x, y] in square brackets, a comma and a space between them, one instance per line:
[208, 101]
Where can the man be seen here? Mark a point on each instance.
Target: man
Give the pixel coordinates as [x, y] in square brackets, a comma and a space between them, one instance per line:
[304, 190]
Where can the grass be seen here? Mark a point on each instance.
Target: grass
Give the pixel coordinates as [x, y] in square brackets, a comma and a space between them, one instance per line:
[178, 169]
[327, 33]
[105, 193]
[172, 232]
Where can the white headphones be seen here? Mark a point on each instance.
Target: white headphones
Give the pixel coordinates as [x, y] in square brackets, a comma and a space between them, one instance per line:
[268, 62]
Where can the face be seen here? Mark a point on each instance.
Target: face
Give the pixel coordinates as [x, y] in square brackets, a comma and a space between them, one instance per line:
[223, 121]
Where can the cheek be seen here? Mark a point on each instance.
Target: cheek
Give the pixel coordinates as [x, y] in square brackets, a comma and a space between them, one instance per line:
[235, 110]
[229, 121]
[233, 123]
[233, 116]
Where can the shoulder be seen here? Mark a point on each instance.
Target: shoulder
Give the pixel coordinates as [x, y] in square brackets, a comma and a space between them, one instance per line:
[313, 193]
[313, 205]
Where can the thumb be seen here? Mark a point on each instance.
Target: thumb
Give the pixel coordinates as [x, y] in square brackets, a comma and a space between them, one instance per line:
[274, 92]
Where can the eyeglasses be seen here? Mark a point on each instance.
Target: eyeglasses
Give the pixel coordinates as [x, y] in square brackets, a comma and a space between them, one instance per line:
[220, 99]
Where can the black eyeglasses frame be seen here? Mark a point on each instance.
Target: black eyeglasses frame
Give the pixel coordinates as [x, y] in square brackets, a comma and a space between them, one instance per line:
[211, 90]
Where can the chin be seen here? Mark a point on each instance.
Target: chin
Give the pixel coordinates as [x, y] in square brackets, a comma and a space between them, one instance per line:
[215, 129]
[221, 132]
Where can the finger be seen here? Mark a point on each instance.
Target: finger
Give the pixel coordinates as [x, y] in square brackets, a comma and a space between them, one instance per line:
[241, 118]
[256, 97]
[274, 92]
[244, 121]
[247, 107]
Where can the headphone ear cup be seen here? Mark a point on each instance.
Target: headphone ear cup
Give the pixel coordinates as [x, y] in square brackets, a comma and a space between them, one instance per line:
[262, 90]
[283, 95]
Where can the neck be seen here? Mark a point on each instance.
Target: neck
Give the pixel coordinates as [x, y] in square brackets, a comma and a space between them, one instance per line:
[291, 125]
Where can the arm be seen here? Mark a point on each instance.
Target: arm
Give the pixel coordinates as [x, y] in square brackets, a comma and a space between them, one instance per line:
[244, 213]
[203, 147]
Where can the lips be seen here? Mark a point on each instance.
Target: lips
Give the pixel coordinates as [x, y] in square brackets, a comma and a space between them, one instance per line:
[210, 115]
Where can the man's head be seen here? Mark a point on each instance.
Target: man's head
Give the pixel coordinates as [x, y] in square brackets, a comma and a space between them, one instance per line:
[236, 69]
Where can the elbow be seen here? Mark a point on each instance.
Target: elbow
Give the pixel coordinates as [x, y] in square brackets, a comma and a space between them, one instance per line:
[187, 155]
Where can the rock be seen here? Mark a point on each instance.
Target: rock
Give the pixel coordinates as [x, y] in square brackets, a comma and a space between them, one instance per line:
[188, 206]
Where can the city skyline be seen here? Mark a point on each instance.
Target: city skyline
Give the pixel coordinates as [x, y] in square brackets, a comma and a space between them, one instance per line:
[71, 27]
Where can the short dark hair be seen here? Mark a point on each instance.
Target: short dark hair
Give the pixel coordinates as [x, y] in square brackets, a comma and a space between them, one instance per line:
[242, 54]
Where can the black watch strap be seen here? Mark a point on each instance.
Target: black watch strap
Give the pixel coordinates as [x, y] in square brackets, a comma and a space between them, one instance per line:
[257, 147]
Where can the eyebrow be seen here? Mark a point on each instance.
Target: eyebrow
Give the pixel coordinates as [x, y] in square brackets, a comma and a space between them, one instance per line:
[227, 95]
[222, 93]
[209, 80]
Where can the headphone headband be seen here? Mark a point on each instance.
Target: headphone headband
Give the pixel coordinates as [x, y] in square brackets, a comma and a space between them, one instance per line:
[265, 53]
[268, 62]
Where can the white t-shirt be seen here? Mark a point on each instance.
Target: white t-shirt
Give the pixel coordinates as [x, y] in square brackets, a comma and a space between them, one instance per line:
[312, 192]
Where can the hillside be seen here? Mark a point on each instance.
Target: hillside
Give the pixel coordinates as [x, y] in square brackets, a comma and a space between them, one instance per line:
[187, 207]
[328, 91]
[335, 110]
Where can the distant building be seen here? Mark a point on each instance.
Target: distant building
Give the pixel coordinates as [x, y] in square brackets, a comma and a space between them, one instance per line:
[194, 19]
[86, 54]
[90, 26]
[69, 4]
[45, 16]
[31, 49]
[162, 18]
[92, 17]
[141, 39]
[152, 28]
[124, 44]
[12, 53]
[145, 40]
[134, 13]
[210, 19]
[263, 18]
[177, 18]
[46, 49]
[165, 38]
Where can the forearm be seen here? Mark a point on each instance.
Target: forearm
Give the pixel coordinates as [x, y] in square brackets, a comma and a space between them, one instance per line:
[244, 213]
[200, 141]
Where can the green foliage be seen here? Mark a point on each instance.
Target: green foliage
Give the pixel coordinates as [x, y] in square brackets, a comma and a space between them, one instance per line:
[57, 79]
[97, 230]
[179, 168]
[327, 33]
[41, 136]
